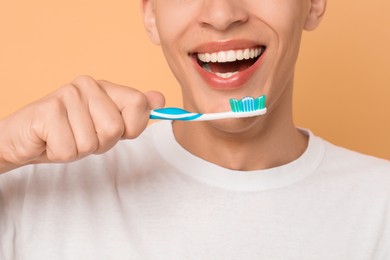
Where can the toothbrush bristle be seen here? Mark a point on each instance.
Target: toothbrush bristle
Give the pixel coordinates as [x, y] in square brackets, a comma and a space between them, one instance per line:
[247, 104]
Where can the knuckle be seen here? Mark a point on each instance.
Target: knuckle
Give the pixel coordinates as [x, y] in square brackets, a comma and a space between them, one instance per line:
[134, 131]
[86, 84]
[136, 116]
[67, 155]
[84, 80]
[113, 130]
[69, 92]
[109, 137]
[47, 111]
[139, 101]
[87, 147]
[102, 82]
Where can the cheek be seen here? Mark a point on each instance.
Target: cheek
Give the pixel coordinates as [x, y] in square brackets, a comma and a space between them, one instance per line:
[285, 22]
[285, 18]
[176, 32]
[173, 19]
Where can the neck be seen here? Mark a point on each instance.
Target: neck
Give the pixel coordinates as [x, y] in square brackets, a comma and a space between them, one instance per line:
[248, 144]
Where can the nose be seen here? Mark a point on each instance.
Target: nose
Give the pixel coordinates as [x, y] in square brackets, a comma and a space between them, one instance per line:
[223, 14]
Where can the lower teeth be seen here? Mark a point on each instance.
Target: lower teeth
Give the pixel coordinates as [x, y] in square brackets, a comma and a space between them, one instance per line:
[219, 74]
[226, 75]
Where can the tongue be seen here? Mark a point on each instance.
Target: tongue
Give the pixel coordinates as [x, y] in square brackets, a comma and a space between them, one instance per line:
[230, 66]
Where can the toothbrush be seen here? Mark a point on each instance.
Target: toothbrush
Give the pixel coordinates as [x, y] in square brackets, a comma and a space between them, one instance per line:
[245, 107]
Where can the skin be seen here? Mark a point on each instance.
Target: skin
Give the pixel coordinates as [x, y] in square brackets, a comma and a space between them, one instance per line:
[88, 116]
[185, 27]
[81, 118]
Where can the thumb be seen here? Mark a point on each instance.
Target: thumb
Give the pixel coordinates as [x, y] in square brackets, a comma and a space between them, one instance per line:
[155, 99]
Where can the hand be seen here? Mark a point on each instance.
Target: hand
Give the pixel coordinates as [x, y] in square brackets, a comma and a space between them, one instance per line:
[81, 118]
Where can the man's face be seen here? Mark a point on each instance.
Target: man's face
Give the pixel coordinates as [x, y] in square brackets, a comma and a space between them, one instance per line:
[219, 49]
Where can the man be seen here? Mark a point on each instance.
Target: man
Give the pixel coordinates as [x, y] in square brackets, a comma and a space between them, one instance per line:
[254, 188]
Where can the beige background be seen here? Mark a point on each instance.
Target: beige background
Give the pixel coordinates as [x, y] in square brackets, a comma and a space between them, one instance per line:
[343, 74]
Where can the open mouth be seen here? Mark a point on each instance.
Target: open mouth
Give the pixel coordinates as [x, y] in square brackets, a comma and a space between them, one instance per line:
[226, 64]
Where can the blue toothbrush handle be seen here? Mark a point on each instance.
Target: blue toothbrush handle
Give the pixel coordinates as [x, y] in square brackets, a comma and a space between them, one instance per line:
[173, 113]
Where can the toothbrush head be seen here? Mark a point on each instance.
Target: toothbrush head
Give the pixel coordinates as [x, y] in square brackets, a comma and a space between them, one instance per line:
[247, 104]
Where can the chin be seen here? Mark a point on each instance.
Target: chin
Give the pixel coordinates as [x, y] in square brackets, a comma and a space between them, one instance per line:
[237, 126]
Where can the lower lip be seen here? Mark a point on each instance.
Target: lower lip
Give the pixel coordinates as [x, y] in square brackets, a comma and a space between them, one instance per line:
[234, 82]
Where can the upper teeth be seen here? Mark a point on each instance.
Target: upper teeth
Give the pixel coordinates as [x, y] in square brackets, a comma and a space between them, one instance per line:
[231, 55]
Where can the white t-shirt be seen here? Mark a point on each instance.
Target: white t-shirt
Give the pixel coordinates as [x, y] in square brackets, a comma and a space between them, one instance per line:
[149, 198]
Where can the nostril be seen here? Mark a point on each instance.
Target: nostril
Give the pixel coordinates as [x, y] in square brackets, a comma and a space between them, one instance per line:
[223, 16]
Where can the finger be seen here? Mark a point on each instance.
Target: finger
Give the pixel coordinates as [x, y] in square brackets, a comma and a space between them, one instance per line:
[106, 117]
[55, 130]
[133, 105]
[80, 121]
[155, 99]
